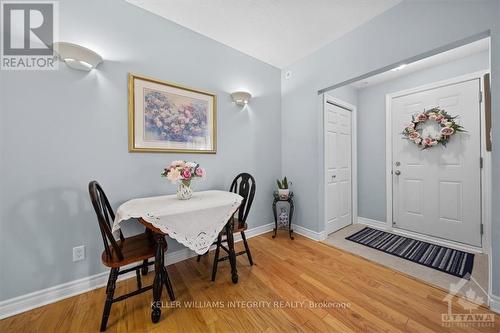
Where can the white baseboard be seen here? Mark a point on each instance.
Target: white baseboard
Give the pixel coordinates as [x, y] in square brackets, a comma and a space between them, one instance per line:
[371, 223]
[23, 303]
[314, 235]
[255, 231]
[495, 303]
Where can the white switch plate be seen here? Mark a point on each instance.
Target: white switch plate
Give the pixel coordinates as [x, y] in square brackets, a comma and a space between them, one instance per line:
[78, 253]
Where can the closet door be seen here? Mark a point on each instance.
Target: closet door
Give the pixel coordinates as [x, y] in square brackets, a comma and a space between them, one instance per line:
[338, 167]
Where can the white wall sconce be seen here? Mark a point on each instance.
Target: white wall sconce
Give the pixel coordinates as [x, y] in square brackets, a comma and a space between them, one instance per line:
[76, 56]
[241, 98]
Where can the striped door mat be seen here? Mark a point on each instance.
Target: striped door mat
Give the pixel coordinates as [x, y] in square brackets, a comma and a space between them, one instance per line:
[444, 259]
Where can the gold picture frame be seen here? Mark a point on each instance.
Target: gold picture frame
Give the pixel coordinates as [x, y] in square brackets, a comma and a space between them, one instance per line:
[165, 117]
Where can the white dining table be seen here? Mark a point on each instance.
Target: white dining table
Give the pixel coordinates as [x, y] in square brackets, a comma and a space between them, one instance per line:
[195, 223]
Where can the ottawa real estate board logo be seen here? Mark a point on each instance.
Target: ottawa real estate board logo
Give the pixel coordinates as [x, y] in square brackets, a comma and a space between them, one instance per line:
[28, 31]
[469, 312]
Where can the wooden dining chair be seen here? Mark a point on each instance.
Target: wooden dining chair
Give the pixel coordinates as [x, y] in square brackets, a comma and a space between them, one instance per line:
[118, 253]
[244, 185]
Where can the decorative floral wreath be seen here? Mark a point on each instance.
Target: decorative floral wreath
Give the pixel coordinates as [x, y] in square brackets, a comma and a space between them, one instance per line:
[413, 131]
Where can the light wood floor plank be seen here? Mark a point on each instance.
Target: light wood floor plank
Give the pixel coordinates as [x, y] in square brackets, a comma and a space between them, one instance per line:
[296, 273]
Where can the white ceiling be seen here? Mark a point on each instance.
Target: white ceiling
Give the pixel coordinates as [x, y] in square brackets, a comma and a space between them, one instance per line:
[278, 32]
[436, 60]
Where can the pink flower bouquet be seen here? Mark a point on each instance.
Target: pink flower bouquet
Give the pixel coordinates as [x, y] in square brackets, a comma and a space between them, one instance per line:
[183, 172]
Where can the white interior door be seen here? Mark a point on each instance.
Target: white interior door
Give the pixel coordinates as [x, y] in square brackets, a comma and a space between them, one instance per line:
[438, 190]
[338, 167]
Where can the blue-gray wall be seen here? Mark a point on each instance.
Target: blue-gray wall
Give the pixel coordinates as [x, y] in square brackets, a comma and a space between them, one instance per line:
[345, 93]
[60, 129]
[406, 30]
[371, 124]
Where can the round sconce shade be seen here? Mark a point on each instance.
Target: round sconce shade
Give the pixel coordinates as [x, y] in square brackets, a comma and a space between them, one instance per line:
[241, 97]
[76, 56]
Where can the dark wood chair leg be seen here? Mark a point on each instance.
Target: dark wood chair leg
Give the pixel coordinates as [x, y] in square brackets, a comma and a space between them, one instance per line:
[216, 257]
[168, 284]
[247, 249]
[138, 277]
[158, 280]
[145, 267]
[110, 291]
[231, 254]
[202, 255]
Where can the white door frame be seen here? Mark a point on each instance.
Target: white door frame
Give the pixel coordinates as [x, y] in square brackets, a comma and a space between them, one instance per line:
[485, 171]
[354, 166]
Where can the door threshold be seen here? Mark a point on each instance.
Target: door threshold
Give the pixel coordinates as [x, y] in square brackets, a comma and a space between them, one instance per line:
[437, 241]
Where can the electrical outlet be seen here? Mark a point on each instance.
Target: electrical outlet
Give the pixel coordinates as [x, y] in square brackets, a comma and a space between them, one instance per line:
[78, 253]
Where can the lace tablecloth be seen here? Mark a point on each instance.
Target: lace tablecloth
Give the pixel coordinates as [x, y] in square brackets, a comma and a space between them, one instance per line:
[195, 223]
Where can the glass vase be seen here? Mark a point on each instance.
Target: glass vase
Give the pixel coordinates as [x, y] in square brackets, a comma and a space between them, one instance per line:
[184, 191]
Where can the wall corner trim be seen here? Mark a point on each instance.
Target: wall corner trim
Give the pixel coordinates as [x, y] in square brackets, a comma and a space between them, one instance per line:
[314, 235]
[371, 222]
[494, 303]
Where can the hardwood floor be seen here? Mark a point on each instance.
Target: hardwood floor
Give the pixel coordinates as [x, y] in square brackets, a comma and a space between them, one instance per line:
[285, 273]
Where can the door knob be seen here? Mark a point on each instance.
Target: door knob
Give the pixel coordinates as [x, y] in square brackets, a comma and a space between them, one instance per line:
[397, 172]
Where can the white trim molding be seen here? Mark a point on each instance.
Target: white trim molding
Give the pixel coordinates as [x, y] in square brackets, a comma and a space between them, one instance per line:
[314, 235]
[23, 303]
[16, 305]
[371, 223]
[256, 231]
[494, 303]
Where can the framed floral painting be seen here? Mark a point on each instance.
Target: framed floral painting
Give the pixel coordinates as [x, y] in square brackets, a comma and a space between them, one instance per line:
[166, 117]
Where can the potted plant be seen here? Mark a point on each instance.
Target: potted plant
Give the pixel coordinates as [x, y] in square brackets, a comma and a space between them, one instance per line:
[283, 189]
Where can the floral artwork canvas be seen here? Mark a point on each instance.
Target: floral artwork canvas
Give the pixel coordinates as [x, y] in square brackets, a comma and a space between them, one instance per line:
[165, 117]
[170, 117]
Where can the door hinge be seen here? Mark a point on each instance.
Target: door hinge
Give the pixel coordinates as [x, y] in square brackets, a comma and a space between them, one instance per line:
[481, 162]
[480, 96]
[481, 227]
